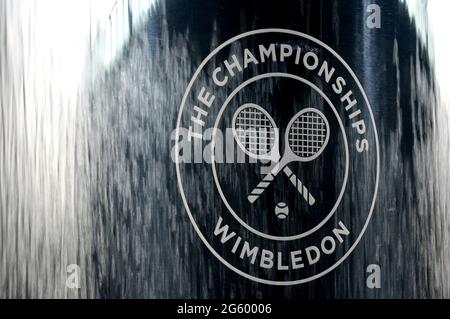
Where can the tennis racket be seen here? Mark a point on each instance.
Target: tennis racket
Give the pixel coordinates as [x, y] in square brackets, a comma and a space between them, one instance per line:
[257, 135]
[307, 136]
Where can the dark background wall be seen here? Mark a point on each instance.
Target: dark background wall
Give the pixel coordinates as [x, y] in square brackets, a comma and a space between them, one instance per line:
[144, 243]
[90, 181]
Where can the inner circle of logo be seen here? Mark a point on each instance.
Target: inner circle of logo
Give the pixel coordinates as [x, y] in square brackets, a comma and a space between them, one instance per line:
[336, 204]
[296, 195]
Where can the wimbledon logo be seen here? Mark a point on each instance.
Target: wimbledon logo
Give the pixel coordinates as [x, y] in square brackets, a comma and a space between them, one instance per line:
[292, 165]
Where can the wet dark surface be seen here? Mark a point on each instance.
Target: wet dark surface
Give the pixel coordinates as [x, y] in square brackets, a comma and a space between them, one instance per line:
[127, 226]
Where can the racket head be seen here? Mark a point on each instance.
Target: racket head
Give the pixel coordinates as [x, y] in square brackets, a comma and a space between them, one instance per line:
[255, 132]
[307, 135]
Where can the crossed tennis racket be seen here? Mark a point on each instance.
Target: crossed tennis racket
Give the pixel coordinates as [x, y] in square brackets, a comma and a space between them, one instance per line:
[306, 137]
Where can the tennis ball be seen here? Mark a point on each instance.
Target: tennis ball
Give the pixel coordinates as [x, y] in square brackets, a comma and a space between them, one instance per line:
[282, 210]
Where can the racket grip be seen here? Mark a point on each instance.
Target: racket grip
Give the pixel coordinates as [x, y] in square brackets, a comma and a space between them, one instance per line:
[300, 187]
[260, 188]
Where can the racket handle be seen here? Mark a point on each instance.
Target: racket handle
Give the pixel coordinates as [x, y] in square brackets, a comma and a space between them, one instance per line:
[260, 188]
[267, 180]
[302, 190]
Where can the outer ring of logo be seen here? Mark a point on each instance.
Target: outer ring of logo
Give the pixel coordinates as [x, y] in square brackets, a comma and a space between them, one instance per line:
[377, 177]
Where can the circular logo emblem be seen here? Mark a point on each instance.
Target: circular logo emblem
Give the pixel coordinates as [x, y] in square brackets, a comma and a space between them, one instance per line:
[277, 156]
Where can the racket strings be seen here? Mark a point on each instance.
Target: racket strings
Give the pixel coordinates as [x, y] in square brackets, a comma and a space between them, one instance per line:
[255, 131]
[307, 134]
